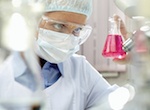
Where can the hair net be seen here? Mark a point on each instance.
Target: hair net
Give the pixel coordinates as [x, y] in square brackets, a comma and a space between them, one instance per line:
[77, 6]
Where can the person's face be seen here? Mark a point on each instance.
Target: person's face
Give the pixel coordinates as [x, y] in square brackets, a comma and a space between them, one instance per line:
[64, 22]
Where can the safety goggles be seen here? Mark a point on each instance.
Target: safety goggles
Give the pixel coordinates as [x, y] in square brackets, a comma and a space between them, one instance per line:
[73, 29]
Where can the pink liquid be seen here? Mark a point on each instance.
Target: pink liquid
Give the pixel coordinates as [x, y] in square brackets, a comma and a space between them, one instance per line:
[113, 47]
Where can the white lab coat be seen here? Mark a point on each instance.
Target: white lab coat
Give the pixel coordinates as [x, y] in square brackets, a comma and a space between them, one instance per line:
[80, 87]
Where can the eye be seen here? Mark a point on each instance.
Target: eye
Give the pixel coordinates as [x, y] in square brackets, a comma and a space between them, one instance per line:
[58, 26]
[76, 32]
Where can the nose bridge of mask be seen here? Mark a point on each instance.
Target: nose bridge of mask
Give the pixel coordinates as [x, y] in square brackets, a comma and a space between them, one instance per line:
[64, 41]
[52, 34]
[55, 38]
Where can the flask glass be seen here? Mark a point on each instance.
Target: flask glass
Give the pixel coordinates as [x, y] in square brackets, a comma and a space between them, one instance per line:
[114, 42]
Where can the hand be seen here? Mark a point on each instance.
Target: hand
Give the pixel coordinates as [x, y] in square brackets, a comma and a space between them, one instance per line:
[124, 33]
[124, 60]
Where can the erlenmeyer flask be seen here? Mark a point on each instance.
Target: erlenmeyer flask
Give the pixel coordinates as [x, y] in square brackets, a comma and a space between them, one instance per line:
[113, 45]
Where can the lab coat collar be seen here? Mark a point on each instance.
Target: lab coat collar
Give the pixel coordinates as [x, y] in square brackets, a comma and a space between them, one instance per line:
[18, 64]
[60, 67]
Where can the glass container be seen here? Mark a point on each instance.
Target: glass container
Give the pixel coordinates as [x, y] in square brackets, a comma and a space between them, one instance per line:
[114, 41]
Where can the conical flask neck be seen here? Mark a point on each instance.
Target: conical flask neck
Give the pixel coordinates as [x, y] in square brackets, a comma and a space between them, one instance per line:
[114, 26]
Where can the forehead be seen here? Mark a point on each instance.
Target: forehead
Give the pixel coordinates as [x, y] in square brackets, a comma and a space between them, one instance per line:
[67, 17]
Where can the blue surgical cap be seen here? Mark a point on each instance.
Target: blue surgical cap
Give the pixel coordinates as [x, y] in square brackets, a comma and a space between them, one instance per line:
[77, 6]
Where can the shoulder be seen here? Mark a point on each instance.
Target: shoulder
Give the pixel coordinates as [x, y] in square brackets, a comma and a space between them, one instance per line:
[77, 58]
[83, 70]
[77, 63]
[81, 64]
[80, 61]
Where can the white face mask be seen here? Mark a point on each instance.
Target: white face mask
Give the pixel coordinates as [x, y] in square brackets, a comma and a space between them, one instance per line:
[55, 47]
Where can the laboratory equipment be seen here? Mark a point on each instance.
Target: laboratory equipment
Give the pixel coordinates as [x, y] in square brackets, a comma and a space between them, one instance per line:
[134, 8]
[128, 44]
[128, 7]
[114, 42]
[19, 19]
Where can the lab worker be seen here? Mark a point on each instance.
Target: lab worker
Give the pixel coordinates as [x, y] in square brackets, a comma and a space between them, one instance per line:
[70, 81]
